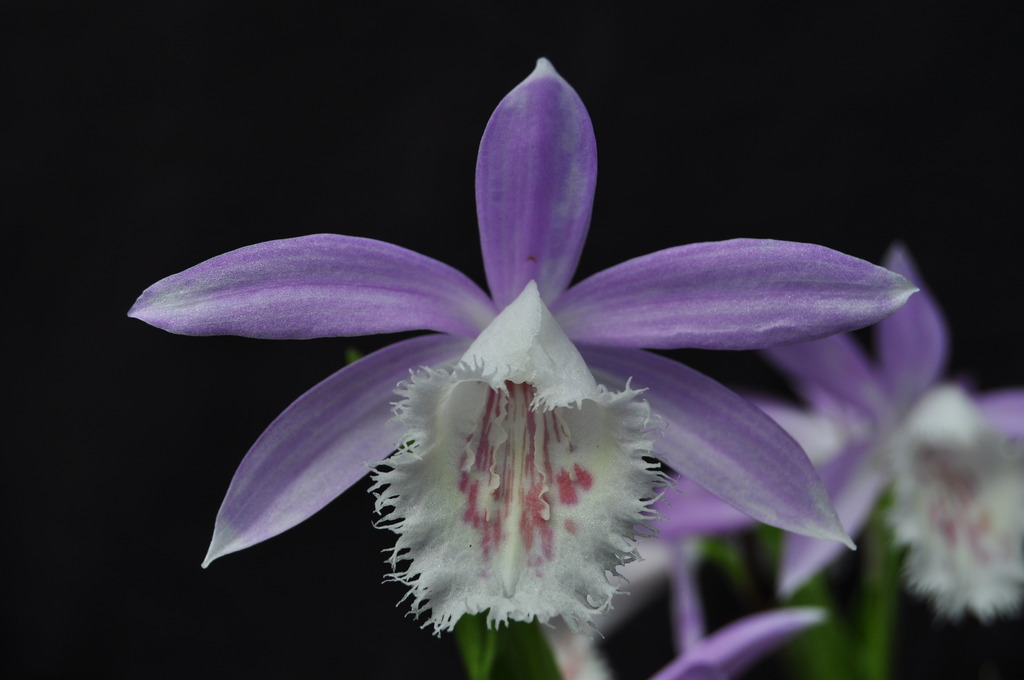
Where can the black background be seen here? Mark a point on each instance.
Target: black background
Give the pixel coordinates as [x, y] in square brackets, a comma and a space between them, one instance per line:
[144, 137]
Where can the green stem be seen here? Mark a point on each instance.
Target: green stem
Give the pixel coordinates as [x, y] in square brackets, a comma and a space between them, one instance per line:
[516, 650]
[879, 602]
[827, 650]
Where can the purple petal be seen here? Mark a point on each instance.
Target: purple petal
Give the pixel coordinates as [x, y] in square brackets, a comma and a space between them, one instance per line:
[913, 344]
[694, 511]
[321, 444]
[854, 486]
[316, 286]
[736, 647]
[701, 673]
[835, 364]
[1005, 410]
[687, 607]
[724, 443]
[739, 294]
[535, 178]
[821, 436]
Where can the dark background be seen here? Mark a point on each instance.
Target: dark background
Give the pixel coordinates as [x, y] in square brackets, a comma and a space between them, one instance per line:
[144, 137]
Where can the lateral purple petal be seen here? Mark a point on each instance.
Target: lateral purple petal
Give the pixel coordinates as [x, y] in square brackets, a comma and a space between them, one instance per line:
[836, 364]
[724, 443]
[535, 179]
[322, 444]
[912, 344]
[694, 511]
[736, 647]
[738, 294]
[1005, 410]
[316, 286]
[854, 486]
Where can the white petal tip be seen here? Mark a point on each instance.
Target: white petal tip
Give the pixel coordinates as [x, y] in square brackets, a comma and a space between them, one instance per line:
[544, 69]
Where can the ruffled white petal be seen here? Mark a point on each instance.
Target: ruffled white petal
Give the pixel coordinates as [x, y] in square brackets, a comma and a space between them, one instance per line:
[522, 484]
[959, 507]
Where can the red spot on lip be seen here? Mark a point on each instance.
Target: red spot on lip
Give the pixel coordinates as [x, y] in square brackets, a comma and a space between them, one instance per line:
[583, 477]
[566, 489]
[567, 484]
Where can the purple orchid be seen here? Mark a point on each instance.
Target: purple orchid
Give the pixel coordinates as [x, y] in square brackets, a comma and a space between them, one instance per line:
[525, 462]
[953, 458]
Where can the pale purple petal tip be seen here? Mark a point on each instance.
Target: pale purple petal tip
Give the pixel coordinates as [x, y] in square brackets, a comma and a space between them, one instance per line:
[739, 294]
[913, 343]
[322, 444]
[535, 178]
[721, 441]
[315, 286]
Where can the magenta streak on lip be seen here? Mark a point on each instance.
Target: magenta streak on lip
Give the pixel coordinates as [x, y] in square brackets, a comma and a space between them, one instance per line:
[515, 452]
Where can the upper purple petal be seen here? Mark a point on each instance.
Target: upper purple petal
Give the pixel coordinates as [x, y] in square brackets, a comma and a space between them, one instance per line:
[316, 286]
[739, 294]
[535, 178]
[1005, 410]
[321, 444]
[724, 443]
[838, 366]
[734, 648]
[912, 344]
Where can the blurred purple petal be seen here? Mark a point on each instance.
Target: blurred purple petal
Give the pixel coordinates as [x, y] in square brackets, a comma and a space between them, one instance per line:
[694, 511]
[837, 365]
[316, 286]
[322, 444]
[739, 294]
[535, 179]
[1005, 410]
[724, 443]
[687, 607]
[854, 485]
[736, 647]
[913, 344]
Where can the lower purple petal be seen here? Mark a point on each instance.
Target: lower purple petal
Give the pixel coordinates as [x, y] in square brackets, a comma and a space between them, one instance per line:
[694, 511]
[322, 444]
[724, 443]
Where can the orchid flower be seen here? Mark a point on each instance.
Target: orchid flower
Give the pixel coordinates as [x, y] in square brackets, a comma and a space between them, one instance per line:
[953, 458]
[525, 457]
